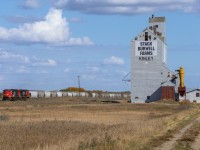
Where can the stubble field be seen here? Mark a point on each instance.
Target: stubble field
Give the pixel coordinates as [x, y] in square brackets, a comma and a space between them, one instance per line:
[85, 123]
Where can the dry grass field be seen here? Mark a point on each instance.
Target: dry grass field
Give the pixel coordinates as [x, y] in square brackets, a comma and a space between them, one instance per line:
[88, 124]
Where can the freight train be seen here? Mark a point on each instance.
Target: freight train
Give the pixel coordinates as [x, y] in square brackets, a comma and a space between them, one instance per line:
[21, 94]
[15, 94]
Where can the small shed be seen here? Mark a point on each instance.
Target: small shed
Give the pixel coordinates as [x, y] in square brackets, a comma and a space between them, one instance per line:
[193, 95]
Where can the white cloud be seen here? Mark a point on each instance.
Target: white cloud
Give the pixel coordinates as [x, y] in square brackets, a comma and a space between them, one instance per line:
[53, 30]
[7, 56]
[31, 4]
[128, 7]
[49, 63]
[113, 61]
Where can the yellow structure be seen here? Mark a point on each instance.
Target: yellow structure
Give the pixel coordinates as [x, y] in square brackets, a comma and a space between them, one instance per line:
[181, 75]
[181, 88]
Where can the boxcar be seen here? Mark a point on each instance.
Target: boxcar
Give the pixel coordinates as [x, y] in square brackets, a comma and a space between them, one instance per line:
[47, 94]
[41, 94]
[59, 94]
[34, 94]
[53, 93]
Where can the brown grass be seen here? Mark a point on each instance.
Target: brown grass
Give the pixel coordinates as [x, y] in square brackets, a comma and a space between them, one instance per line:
[71, 123]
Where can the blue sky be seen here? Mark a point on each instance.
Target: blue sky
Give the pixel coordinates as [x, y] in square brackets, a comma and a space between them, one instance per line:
[46, 44]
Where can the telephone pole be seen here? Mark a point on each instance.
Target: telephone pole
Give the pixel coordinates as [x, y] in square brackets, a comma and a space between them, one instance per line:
[79, 85]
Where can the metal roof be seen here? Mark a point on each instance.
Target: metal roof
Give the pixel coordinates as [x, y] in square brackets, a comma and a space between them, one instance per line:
[193, 90]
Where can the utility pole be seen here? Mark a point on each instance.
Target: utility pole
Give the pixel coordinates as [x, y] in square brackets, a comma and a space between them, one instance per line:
[79, 85]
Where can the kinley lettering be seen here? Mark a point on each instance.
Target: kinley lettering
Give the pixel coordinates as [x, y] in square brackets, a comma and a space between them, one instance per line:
[145, 58]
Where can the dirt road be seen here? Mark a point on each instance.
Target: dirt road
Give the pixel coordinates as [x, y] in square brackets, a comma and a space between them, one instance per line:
[170, 145]
[196, 144]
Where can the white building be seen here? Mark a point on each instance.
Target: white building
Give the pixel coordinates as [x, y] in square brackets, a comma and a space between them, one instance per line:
[193, 96]
[149, 72]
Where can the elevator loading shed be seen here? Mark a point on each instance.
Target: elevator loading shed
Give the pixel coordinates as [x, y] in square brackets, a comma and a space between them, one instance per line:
[193, 96]
[149, 72]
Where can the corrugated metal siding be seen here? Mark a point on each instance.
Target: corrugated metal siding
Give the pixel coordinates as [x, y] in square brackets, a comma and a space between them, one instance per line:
[168, 92]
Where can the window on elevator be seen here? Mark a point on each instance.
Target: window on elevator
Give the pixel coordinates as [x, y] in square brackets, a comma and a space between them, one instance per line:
[146, 36]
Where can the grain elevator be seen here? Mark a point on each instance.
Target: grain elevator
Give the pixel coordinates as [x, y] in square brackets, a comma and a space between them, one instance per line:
[151, 80]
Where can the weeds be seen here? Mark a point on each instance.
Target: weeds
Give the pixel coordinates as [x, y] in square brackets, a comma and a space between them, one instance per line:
[86, 124]
[107, 143]
[4, 117]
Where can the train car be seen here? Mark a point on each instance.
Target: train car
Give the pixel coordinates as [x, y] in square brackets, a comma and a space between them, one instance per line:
[53, 94]
[64, 94]
[41, 94]
[34, 94]
[7, 94]
[74, 94]
[95, 95]
[11, 94]
[70, 94]
[83, 94]
[24, 94]
[86, 94]
[59, 94]
[47, 94]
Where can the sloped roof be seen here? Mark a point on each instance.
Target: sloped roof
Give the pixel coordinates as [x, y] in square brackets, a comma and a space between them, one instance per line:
[193, 90]
[147, 29]
[168, 83]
